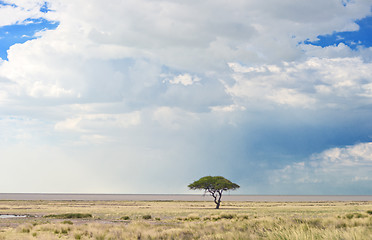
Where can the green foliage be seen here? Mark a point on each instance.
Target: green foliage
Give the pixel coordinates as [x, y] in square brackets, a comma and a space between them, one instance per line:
[146, 217]
[125, 218]
[25, 230]
[213, 183]
[77, 236]
[70, 215]
[68, 222]
[227, 215]
[215, 186]
[355, 215]
[369, 212]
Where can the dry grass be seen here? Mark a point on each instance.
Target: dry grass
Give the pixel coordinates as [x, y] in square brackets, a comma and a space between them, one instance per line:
[187, 220]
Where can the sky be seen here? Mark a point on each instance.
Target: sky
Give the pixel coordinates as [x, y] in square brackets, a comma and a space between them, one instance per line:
[146, 96]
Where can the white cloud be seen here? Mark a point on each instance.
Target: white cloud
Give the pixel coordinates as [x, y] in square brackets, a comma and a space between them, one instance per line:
[229, 108]
[22, 12]
[185, 79]
[314, 83]
[336, 165]
[170, 84]
[99, 122]
[291, 97]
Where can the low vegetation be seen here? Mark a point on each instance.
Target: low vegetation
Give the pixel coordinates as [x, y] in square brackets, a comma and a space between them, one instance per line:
[186, 220]
[69, 215]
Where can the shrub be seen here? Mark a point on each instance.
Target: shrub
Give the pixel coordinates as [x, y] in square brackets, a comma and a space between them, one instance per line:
[193, 217]
[125, 218]
[146, 217]
[70, 215]
[356, 215]
[349, 215]
[369, 212]
[67, 222]
[77, 236]
[216, 217]
[359, 215]
[227, 216]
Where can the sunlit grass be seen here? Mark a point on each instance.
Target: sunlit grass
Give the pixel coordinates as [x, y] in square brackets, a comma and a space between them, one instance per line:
[186, 220]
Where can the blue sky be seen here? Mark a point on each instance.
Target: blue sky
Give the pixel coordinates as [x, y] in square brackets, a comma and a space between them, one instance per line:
[21, 33]
[148, 96]
[353, 39]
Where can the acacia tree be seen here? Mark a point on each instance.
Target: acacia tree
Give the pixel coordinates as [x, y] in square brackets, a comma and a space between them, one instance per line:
[215, 186]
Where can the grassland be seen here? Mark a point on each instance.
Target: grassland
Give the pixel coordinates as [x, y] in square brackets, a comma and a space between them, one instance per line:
[185, 220]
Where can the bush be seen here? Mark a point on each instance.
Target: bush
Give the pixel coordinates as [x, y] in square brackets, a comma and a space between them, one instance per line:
[369, 212]
[67, 222]
[227, 216]
[146, 217]
[70, 215]
[359, 215]
[349, 215]
[356, 215]
[216, 217]
[125, 218]
[77, 236]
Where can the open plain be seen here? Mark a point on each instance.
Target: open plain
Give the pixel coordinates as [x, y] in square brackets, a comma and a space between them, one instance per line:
[43, 219]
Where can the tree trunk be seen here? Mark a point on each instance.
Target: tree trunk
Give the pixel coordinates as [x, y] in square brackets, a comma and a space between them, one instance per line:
[218, 201]
[217, 198]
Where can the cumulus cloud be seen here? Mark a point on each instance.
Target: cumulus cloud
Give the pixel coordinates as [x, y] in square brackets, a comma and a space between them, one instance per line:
[314, 83]
[155, 88]
[340, 167]
[22, 12]
[185, 79]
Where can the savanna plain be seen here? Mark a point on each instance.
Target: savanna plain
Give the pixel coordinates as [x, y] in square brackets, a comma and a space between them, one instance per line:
[185, 220]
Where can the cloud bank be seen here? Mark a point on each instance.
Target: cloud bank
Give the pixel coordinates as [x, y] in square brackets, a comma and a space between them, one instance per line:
[146, 96]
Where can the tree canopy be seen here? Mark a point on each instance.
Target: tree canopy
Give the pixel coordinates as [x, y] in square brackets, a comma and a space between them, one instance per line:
[215, 186]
